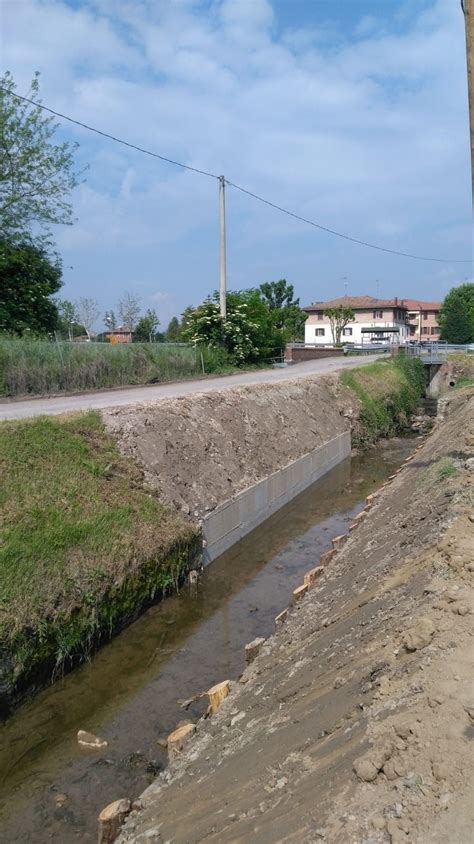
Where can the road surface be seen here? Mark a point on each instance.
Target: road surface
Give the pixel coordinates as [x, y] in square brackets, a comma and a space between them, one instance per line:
[51, 406]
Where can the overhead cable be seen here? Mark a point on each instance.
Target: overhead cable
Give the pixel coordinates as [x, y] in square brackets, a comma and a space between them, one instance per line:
[237, 187]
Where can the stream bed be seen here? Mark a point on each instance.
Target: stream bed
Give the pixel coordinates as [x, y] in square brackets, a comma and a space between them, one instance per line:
[131, 692]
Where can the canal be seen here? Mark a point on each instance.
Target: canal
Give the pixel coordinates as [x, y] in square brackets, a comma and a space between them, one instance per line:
[132, 691]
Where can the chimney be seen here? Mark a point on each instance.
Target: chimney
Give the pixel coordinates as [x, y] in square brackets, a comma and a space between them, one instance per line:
[396, 300]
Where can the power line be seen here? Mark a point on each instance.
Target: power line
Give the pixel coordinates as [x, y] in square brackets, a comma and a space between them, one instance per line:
[344, 236]
[109, 136]
[233, 185]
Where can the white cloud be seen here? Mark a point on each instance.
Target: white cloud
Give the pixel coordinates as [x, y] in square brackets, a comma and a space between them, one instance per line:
[365, 134]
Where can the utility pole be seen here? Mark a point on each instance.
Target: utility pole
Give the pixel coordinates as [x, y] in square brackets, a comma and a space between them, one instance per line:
[468, 9]
[223, 273]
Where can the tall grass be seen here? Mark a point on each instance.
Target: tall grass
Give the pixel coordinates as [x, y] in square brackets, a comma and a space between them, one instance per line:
[40, 367]
[389, 391]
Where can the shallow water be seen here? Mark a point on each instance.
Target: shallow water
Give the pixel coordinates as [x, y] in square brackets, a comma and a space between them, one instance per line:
[130, 693]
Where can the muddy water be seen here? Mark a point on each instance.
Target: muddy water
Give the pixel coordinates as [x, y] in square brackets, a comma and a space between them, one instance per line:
[52, 790]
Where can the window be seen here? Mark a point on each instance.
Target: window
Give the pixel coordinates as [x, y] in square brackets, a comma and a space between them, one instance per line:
[378, 314]
[320, 315]
[425, 314]
[319, 332]
[347, 332]
[434, 329]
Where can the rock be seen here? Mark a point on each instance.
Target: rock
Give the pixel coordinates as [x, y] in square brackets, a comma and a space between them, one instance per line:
[338, 682]
[379, 822]
[252, 649]
[60, 800]
[402, 729]
[419, 635]
[86, 739]
[365, 770]
[440, 770]
[469, 464]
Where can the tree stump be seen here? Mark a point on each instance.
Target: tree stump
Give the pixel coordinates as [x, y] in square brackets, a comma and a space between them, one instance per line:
[111, 819]
[217, 694]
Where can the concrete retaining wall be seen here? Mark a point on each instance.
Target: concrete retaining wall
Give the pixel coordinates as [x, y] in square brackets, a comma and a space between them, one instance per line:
[297, 354]
[239, 515]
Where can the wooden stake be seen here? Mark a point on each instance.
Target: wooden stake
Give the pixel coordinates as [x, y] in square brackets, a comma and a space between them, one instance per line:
[300, 592]
[281, 617]
[178, 738]
[311, 576]
[111, 819]
[217, 694]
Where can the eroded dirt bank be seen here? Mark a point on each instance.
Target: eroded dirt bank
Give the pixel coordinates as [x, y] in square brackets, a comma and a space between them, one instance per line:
[353, 723]
[201, 450]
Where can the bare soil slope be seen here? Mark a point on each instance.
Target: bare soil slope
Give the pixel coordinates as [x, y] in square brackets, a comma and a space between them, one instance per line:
[201, 450]
[353, 724]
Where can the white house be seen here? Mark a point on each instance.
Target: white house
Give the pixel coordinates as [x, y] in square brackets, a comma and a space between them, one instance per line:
[375, 321]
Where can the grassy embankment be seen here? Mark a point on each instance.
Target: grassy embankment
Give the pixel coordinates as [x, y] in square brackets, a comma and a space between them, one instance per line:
[389, 391]
[83, 548]
[39, 367]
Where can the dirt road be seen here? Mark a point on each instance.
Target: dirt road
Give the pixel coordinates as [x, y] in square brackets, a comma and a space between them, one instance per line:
[22, 408]
[354, 722]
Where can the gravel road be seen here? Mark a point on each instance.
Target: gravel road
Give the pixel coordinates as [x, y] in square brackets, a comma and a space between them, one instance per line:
[51, 406]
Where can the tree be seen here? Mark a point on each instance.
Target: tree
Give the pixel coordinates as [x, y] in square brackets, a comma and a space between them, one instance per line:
[456, 317]
[338, 319]
[67, 316]
[145, 331]
[129, 310]
[247, 332]
[88, 313]
[286, 314]
[28, 280]
[36, 175]
[110, 320]
[278, 294]
[173, 332]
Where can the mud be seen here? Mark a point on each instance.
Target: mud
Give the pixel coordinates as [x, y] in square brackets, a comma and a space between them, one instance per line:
[354, 722]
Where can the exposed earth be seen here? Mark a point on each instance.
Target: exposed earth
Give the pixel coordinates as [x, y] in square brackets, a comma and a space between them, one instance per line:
[354, 722]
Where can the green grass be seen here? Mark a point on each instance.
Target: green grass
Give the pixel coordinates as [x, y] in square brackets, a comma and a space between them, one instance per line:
[440, 471]
[464, 382]
[83, 545]
[40, 367]
[389, 391]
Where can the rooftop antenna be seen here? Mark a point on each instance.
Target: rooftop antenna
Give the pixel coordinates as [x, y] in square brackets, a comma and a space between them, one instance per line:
[346, 283]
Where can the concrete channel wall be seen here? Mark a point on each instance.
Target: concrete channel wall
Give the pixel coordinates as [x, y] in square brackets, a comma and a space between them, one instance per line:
[236, 517]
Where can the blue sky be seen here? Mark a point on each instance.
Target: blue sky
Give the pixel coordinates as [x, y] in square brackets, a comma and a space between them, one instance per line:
[352, 113]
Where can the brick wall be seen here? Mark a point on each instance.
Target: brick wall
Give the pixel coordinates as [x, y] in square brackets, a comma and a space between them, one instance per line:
[296, 354]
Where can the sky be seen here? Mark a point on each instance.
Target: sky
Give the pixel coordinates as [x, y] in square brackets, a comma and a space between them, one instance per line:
[352, 114]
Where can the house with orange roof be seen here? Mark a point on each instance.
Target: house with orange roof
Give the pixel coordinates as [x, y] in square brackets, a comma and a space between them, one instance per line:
[423, 318]
[375, 321]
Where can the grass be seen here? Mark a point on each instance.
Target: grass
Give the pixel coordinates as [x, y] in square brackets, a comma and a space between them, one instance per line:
[40, 367]
[464, 382]
[389, 391]
[83, 545]
[440, 471]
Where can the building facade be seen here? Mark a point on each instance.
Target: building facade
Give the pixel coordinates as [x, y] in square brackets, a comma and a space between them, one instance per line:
[375, 321]
[423, 319]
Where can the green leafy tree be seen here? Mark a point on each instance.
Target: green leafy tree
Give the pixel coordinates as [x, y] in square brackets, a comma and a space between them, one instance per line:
[68, 322]
[110, 320]
[145, 331]
[36, 174]
[29, 278]
[338, 319]
[286, 314]
[173, 332]
[456, 316]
